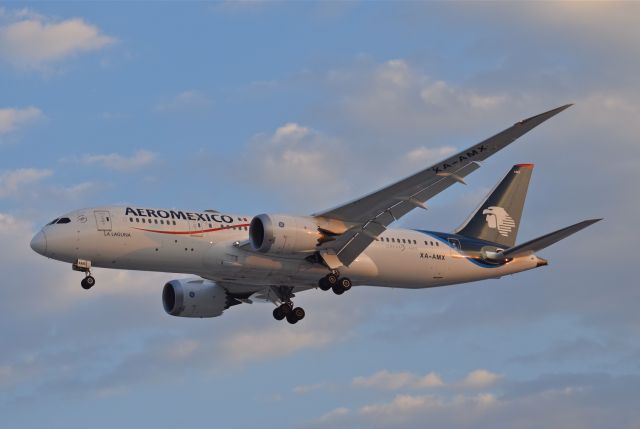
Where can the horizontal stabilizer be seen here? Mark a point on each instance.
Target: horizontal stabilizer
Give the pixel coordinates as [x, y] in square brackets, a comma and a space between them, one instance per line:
[547, 240]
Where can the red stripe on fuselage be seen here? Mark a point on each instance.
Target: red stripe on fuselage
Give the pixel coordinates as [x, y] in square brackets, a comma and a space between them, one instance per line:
[191, 232]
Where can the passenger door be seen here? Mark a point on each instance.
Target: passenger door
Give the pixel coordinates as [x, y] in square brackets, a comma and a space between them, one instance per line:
[103, 220]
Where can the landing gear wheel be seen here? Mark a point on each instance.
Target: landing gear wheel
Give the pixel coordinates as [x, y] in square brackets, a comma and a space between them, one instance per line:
[88, 282]
[299, 313]
[285, 308]
[345, 283]
[278, 314]
[323, 284]
[337, 289]
[332, 279]
[291, 318]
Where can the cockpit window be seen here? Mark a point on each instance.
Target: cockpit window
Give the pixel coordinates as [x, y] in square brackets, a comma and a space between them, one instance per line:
[63, 220]
[54, 221]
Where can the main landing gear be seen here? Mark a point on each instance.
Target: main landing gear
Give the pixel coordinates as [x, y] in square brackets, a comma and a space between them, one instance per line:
[286, 310]
[339, 285]
[85, 267]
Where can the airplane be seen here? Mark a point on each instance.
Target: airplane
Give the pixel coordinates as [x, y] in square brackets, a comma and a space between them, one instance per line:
[239, 258]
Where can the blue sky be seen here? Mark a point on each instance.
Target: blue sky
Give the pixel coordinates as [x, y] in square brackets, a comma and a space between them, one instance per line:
[261, 107]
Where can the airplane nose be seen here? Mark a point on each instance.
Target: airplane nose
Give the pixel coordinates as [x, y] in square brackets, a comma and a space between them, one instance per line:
[39, 243]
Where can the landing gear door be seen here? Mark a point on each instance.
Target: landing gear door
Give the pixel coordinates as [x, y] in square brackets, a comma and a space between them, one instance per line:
[103, 220]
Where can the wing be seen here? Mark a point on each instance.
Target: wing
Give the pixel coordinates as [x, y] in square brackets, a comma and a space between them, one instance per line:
[238, 293]
[371, 214]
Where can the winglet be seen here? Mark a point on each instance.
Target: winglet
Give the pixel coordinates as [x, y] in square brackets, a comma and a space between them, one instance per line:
[540, 118]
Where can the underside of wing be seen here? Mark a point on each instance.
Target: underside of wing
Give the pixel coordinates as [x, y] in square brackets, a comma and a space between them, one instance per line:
[249, 293]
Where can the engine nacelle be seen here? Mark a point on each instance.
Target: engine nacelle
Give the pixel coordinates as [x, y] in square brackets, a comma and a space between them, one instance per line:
[194, 298]
[285, 234]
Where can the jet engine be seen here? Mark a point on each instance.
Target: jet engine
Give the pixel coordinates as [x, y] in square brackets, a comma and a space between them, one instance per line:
[286, 234]
[195, 298]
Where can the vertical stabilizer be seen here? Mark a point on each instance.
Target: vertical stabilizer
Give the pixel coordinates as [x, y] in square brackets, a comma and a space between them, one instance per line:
[498, 217]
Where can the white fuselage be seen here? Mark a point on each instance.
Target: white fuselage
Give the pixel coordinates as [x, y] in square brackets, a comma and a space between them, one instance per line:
[214, 246]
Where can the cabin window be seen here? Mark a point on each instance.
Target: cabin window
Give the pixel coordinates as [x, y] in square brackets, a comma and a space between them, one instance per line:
[174, 222]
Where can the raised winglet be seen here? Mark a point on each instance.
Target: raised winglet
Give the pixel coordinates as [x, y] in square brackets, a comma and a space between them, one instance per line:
[544, 116]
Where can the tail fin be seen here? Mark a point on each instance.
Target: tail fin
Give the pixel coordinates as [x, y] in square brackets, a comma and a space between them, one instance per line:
[498, 217]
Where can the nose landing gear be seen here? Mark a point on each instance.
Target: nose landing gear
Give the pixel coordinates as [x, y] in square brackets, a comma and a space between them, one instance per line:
[88, 282]
[84, 267]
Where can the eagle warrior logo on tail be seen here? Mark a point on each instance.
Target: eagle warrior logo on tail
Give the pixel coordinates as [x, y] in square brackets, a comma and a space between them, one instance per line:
[498, 218]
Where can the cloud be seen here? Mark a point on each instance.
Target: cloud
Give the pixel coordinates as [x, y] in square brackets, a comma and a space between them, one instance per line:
[334, 414]
[423, 156]
[480, 378]
[34, 41]
[190, 100]
[115, 161]
[13, 181]
[299, 159]
[13, 118]
[398, 380]
[272, 342]
[588, 400]
[396, 99]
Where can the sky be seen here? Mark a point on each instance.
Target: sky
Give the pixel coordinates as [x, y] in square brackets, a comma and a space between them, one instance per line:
[254, 107]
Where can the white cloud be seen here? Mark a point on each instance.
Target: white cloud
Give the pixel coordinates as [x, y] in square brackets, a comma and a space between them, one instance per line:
[273, 342]
[115, 161]
[334, 414]
[13, 181]
[12, 118]
[398, 380]
[423, 156]
[183, 349]
[555, 400]
[401, 405]
[396, 98]
[480, 378]
[190, 100]
[33, 41]
[299, 159]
